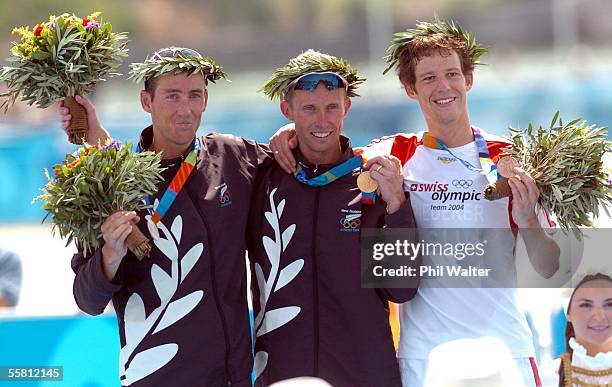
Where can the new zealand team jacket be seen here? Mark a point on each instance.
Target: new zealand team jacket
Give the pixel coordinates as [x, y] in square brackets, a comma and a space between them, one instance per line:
[312, 316]
[182, 312]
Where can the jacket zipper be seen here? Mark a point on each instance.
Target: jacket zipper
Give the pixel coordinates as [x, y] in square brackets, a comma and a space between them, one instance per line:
[315, 284]
[214, 287]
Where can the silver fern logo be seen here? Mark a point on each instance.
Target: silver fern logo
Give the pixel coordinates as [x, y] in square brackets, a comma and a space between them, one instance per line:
[268, 320]
[224, 196]
[351, 222]
[135, 366]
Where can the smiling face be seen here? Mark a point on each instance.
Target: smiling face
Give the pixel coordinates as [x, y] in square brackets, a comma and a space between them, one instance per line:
[318, 116]
[590, 313]
[176, 111]
[441, 90]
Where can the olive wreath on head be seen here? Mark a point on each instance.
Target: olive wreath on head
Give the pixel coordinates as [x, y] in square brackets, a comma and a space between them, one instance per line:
[178, 63]
[435, 26]
[307, 62]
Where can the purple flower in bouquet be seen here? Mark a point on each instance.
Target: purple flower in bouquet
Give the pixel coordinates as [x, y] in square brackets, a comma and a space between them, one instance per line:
[92, 24]
[112, 144]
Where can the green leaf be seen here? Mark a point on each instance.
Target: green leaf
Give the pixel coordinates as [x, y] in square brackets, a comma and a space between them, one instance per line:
[554, 120]
[40, 55]
[61, 61]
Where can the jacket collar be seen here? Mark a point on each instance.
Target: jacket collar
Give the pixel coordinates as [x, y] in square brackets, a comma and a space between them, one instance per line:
[146, 140]
[312, 169]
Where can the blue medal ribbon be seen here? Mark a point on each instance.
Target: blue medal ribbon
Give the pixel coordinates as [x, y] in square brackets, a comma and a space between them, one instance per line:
[333, 174]
[488, 168]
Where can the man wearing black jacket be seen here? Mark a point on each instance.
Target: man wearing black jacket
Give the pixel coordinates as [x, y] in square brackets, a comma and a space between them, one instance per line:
[312, 316]
[182, 312]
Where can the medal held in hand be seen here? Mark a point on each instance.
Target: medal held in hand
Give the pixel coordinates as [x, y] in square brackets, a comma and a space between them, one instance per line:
[506, 165]
[365, 182]
[368, 187]
[500, 188]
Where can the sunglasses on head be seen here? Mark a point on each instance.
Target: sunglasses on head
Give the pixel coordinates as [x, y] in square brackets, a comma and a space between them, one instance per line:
[174, 52]
[310, 81]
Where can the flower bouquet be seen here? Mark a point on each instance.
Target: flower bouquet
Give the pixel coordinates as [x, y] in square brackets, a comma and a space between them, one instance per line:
[566, 162]
[61, 58]
[95, 182]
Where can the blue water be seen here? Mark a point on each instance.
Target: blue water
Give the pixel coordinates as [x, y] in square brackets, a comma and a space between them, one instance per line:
[86, 347]
[493, 107]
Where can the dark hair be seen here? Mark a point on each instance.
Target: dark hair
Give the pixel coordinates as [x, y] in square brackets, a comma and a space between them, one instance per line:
[150, 85]
[422, 46]
[569, 328]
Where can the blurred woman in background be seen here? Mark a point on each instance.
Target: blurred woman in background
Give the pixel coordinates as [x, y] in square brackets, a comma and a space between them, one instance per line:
[588, 360]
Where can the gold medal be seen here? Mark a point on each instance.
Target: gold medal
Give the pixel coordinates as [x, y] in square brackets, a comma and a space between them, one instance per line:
[506, 165]
[366, 183]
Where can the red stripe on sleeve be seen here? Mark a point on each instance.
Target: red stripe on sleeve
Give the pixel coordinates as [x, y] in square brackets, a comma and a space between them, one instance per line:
[404, 147]
[495, 149]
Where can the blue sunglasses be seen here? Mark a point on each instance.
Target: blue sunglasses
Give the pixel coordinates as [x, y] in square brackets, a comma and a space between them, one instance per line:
[310, 81]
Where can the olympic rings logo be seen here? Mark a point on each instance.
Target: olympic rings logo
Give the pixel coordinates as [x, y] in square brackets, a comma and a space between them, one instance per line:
[353, 223]
[461, 183]
[224, 198]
